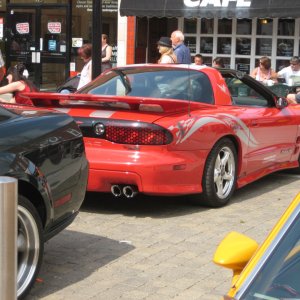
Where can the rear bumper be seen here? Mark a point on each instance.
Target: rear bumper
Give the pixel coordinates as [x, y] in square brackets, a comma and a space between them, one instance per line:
[152, 171]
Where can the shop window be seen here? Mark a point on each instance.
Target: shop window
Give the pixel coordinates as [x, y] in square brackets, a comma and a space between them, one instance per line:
[224, 45]
[286, 27]
[281, 63]
[243, 64]
[191, 43]
[207, 26]
[244, 26]
[206, 45]
[225, 26]
[190, 25]
[243, 46]
[285, 47]
[207, 60]
[226, 61]
[264, 26]
[263, 47]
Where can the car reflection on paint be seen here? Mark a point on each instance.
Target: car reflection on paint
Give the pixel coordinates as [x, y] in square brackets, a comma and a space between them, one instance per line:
[180, 130]
[271, 272]
[45, 152]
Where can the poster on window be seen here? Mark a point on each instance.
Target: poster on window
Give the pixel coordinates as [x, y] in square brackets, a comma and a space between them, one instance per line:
[54, 27]
[22, 28]
[1, 28]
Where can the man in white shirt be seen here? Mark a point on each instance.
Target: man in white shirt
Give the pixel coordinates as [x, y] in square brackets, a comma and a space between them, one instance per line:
[291, 72]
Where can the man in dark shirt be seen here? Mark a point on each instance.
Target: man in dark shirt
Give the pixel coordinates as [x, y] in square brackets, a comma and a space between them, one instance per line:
[181, 51]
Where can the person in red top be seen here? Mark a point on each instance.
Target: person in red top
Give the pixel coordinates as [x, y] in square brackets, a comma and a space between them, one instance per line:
[17, 84]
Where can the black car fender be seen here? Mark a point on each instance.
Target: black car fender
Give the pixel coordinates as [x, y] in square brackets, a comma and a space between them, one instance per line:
[31, 183]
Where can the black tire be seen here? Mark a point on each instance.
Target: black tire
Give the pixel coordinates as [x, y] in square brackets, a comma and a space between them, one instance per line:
[30, 246]
[220, 173]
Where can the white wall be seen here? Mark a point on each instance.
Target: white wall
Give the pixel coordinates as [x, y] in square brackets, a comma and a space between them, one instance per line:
[122, 38]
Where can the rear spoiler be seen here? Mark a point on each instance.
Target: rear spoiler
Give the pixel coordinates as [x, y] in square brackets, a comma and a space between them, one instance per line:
[111, 102]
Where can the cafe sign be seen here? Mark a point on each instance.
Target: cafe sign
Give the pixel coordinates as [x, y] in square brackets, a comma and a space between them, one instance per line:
[217, 3]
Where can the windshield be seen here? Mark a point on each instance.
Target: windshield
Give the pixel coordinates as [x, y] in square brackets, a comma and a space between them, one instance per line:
[279, 277]
[165, 83]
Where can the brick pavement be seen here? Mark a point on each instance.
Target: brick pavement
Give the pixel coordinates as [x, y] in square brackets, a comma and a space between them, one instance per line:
[155, 248]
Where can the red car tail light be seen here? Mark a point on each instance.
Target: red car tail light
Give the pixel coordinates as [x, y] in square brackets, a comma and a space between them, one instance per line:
[138, 134]
[125, 132]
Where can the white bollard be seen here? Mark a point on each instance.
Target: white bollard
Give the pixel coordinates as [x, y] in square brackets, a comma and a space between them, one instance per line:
[8, 237]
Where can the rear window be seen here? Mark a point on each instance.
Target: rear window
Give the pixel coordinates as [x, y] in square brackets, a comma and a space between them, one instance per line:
[164, 83]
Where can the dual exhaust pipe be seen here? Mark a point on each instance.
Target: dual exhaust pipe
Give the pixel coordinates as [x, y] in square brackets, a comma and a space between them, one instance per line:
[129, 191]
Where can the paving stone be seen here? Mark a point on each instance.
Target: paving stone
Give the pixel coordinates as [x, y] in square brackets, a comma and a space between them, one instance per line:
[155, 248]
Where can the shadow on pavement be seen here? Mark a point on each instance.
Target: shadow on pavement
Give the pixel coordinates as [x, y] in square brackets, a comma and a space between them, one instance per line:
[265, 185]
[167, 207]
[86, 253]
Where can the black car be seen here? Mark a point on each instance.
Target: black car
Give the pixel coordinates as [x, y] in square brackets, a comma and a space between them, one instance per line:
[44, 151]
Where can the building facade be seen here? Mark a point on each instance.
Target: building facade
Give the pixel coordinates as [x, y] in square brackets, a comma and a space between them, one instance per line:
[45, 35]
[239, 31]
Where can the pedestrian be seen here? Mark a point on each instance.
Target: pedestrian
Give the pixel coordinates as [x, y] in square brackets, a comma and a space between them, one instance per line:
[105, 54]
[264, 73]
[17, 84]
[291, 72]
[85, 53]
[181, 51]
[198, 60]
[218, 63]
[165, 49]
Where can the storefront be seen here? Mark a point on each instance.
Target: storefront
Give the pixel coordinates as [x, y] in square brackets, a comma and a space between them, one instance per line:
[240, 31]
[45, 35]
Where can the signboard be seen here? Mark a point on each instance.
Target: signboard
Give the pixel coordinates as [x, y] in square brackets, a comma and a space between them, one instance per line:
[22, 28]
[243, 67]
[54, 27]
[110, 5]
[107, 5]
[114, 55]
[77, 42]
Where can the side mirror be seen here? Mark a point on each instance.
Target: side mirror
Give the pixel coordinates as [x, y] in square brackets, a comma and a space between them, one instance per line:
[281, 102]
[234, 252]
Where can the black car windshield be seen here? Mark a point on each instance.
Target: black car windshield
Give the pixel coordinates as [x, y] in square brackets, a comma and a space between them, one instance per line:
[164, 83]
[279, 277]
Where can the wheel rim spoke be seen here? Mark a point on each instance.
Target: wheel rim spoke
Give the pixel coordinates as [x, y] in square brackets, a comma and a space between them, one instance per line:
[224, 172]
[219, 185]
[225, 159]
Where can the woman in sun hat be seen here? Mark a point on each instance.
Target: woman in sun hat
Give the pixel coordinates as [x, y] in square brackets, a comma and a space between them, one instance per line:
[165, 49]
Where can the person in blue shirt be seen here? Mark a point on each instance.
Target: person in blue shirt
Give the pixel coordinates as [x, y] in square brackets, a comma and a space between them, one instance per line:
[181, 51]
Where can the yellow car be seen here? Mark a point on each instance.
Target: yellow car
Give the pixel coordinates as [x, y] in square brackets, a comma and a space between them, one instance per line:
[268, 272]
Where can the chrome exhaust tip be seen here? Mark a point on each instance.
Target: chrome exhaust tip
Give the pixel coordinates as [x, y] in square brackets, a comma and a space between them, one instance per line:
[130, 191]
[116, 190]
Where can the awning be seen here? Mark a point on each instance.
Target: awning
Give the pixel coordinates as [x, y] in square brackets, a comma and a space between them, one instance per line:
[211, 8]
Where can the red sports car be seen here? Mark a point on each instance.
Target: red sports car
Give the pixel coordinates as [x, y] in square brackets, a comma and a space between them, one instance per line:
[180, 129]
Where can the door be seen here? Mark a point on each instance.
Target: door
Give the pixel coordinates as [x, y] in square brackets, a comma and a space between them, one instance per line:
[39, 35]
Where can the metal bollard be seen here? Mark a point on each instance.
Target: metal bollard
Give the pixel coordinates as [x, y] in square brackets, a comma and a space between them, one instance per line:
[8, 237]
